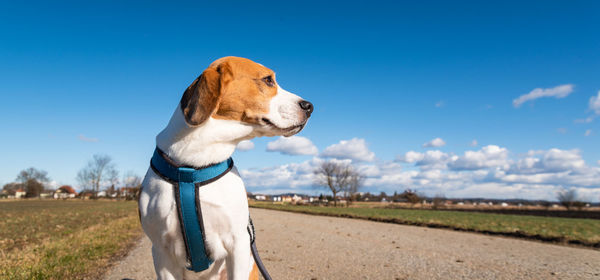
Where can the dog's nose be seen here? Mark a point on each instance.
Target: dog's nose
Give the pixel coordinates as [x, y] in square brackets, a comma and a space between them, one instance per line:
[306, 106]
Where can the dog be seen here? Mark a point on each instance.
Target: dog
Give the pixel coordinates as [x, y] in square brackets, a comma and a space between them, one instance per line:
[234, 99]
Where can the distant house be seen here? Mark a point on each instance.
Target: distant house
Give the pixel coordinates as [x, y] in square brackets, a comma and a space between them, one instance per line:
[47, 194]
[20, 193]
[276, 198]
[85, 194]
[260, 197]
[65, 192]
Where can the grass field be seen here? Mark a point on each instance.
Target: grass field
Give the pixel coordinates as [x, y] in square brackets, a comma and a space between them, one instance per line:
[53, 239]
[565, 230]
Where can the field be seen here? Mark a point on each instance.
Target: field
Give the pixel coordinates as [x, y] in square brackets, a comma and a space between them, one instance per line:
[563, 230]
[50, 239]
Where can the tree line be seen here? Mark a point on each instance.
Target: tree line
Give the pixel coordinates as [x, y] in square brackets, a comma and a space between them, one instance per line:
[100, 173]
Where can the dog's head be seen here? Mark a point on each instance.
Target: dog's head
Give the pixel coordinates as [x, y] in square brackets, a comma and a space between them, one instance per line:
[238, 89]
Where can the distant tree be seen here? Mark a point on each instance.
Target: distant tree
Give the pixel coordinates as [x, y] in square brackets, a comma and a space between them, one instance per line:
[438, 200]
[31, 173]
[567, 198]
[395, 196]
[411, 196]
[328, 175]
[33, 188]
[99, 170]
[355, 182]
[131, 179]
[368, 197]
[545, 204]
[133, 183]
[11, 188]
[33, 180]
[382, 195]
[338, 177]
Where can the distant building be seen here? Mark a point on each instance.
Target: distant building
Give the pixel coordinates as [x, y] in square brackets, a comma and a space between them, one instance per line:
[65, 192]
[20, 193]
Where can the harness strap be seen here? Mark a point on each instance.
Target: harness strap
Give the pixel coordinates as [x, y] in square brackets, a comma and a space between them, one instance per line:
[186, 181]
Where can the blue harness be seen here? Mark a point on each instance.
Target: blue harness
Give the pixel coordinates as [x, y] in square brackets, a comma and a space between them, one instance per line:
[186, 180]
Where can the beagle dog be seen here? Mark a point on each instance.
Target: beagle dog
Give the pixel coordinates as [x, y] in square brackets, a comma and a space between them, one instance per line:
[234, 99]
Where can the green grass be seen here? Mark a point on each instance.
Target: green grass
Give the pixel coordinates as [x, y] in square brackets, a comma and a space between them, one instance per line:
[575, 231]
[50, 239]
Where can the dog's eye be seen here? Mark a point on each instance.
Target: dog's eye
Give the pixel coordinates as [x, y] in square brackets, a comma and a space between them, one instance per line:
[269, 81]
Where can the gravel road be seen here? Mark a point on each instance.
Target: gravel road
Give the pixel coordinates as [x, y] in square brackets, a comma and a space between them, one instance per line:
[299, 246]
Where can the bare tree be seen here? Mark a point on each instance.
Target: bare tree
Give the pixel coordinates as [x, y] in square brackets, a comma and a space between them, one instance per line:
[338, 178]
[131, 180]
[32, 173]
[567, 198]
[100, 169]
[133, 183]
[113, 179]
[326, 176]
[33, 181]
[11, 188]
[354, 183]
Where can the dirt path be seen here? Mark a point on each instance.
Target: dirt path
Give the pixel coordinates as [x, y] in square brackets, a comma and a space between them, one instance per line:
[298, 246]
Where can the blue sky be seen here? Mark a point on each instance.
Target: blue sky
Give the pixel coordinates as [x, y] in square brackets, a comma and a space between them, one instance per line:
[81, 78]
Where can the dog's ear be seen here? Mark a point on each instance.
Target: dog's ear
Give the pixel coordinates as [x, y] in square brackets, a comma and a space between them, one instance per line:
[201, 99]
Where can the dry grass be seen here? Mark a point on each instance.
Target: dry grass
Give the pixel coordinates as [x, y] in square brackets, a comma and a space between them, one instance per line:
[49, 239]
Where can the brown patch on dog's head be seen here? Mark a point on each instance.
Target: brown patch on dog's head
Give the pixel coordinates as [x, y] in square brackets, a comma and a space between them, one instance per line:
[231, 88]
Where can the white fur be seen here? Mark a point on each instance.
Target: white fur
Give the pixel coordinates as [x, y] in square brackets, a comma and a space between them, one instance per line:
[224, 203]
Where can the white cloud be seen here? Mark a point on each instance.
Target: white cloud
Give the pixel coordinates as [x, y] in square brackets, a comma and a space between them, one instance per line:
[245, 145]
[291, 175]
[489, 172]
[355, 149]
[595, 103]
[434, 159]
[440, 104]
[294, 145]
[410, 157]
[561, 91]
[561, 130]
[87, 139]
[437, 142]
[474, 143]
[53, 185]
[588, 132]
[486, 157]
[550, 161]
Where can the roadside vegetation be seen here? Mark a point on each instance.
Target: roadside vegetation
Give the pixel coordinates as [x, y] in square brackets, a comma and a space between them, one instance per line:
[64, 239]
[562, 230]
